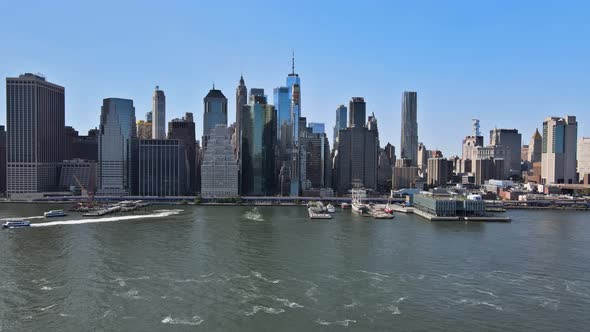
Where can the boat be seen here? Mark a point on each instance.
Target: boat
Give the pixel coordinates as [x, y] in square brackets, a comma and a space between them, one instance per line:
[331, 208]
[345, 205]
[357, 201]
[316, 213]
[54, 213]
[388, 208]
[16, 224]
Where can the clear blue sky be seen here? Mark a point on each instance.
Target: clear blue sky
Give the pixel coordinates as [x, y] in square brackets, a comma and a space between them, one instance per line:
[508, 63]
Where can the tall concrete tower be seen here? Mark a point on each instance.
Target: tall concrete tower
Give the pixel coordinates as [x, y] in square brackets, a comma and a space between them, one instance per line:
[159, 114]
[409, 132]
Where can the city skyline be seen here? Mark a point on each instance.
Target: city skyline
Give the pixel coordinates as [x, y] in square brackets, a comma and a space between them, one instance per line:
[467, 81]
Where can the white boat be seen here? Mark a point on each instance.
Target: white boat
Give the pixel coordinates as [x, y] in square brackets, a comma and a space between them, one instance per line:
[16, 224]
[54, 213]
[357, 201]
[345, 205]
[331, 208]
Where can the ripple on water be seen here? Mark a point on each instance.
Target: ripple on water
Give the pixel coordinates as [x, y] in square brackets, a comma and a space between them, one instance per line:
[195, 320]
[268, 310]
[344, 322]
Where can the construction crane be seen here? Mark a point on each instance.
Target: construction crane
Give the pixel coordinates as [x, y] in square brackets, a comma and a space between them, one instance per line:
[83, 191]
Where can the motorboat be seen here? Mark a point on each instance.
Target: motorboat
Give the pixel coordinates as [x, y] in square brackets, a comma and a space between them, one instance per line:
[388, 208]
[330, 208]
[345, 205]
[357, 201]
[54, 213]
[16, 224]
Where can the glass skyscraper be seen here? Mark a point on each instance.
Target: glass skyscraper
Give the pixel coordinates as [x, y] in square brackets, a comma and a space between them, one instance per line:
[341, 118]
[258, 145]
[159, 114]
[215, 104]
[282, 103]
[117, 128]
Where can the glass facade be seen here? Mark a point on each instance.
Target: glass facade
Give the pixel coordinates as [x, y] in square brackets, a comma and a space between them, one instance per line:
[282, 103]
[215, 113]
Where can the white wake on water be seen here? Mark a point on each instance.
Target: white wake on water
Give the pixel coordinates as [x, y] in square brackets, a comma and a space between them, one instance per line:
[157, 214]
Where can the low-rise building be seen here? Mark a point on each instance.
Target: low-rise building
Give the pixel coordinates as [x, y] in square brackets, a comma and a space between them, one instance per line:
[447, 206]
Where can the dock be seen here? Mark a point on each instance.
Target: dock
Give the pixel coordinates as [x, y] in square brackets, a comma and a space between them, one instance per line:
[432, 217]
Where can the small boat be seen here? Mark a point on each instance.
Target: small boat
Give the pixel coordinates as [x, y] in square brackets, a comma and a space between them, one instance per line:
[54, 213]
[345, 205]
[388, 208]
[16, 224]
[331, 208]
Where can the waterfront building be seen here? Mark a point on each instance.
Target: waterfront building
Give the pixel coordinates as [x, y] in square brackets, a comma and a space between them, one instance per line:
[85, 147]
[511, 139]
[219, 169]
[2, 160]
[158, 114]
[78, 175]
[438, 171]
[535, 147]
[317, 128]
[184, 129]
[409, 127]
[144, 129]
[35, 125]
[559, 149]
[404, 176]
[443, 205]
[159, 167]
[215, 112]
[341, 123]
[117, 129]
[257, 147]
[356, 160]
[583, 158]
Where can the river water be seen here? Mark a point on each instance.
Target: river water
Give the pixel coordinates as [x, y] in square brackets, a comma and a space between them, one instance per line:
[185, 268]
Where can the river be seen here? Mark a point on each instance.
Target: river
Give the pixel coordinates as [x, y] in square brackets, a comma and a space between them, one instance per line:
[186, 268]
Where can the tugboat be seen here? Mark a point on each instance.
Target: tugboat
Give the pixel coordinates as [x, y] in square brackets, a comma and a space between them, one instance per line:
[54, 213]
[16, 224]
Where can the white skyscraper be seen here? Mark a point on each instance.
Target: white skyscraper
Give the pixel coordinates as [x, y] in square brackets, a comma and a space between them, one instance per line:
[159, 114]
[219, 170]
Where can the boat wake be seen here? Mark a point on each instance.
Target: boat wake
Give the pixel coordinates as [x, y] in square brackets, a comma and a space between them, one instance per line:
[21, 218]
[254, 215]
[157, 214]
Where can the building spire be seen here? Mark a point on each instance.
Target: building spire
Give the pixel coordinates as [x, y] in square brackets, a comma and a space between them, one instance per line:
[293, 62]
[213, 85]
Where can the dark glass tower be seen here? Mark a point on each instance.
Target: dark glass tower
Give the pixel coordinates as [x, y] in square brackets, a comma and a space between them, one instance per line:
[215, 113]
[358, 112]
[409, 130]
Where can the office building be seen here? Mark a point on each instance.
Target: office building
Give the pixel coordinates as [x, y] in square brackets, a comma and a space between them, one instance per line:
[583, 157]
[257, 148]
[422, 158]
[484, 169]
[390, 150]
[219, 170]
[438, 172]
[535, 147]
[117, 129]
[409, 127]
[469, 145]
[160, 167]
[85, 147]
[404, 176]
[241, 100]
[183, 129]
[341, 123]
[384, 172]
[78, 176]
[357, 112]
[215, 112]
[317, 128]
[35, 126]
[158, 114]
[2, 160]
[511, 139]
[316, 163]
[559, 149]
[282, 103]
[524, 154]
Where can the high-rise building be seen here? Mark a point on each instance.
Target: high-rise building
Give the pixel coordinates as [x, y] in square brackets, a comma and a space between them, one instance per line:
[35, 113]
[219, 170]
[315, 156]
[70, 135]
[341, 123]
[535, 147]
[159, 167]
[524, 154]
[438, 171]
[384, 172]
[404, 176]
[215, 112]
[2, 160]
[390, 150]
[78, 174]
[257, 147]
[356, 160]
[469, 144]
[422, 158]
[511, 139]
[409, 129]
[159, 114]
[584, 159]
[358, 112]
[85, 147]
[558, 159]
[144, 129]
[317, 128]
[184, 130]
[282, 103]
[117, 129]
[241, 100]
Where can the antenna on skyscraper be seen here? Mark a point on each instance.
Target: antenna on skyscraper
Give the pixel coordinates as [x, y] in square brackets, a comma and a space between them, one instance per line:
[293, 62]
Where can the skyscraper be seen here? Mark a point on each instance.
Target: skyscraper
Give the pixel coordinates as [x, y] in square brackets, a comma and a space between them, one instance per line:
[2, 159]
[35, 113]
[159, 114]
[341, 118]
[558, 159]
[317, 128]
[258, 139]
[215, 112]
[160, 167]
[583, 158]
[511, 139]
[184, 130]
[282, 105]
[358, 112]
[117, 129]
[535, 147]
[409, 129]
[219, 170]
[316, 163]
[241, 100]
[438, 171]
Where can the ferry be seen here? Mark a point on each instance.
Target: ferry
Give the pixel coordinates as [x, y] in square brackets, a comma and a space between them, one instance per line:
[16, 224]
[330, 208]
[54, 213]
